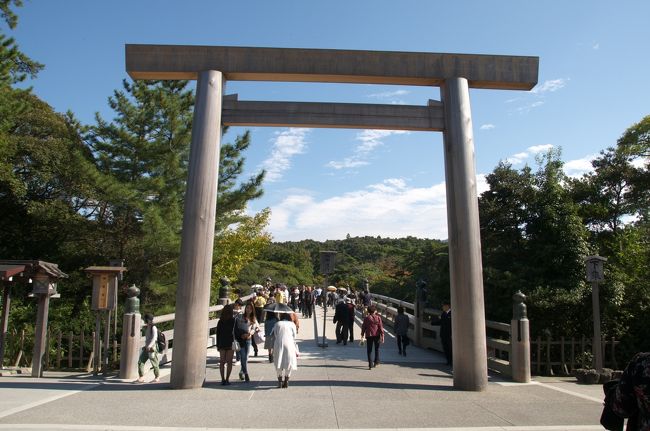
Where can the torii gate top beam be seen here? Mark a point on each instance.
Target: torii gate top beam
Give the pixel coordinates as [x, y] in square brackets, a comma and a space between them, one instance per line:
[330, 65]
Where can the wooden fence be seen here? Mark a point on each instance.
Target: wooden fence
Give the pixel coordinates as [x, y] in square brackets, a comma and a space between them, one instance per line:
[560, 357]
[63, 350]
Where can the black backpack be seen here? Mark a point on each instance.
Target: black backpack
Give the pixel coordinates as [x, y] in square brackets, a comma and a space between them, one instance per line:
[161, 342]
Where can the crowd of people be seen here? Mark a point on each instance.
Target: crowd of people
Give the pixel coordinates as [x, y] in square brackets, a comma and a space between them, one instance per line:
[269, 320]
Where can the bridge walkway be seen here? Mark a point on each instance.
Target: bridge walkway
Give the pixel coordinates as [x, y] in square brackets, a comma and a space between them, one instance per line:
[332, 389]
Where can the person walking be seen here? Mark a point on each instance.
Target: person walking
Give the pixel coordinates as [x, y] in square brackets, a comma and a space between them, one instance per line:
[269, 324]
[285, 352]
[401, 330]
[445, 330]
[260, 302]
[225, 337]
[373, 330]
[245, 327]
[351, 312]
[341, 320]
[632, 394]
[150, 350]
[307, 302]
[237, 311]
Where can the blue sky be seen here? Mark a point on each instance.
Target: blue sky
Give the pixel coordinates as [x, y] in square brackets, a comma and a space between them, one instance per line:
[324, 184]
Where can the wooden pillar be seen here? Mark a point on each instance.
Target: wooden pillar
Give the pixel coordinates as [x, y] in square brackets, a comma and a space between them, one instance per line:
[40, 334]
[6, 303]
[195, 265]
[131, 345]
[107, 336]
[97, 345]
[465, 266]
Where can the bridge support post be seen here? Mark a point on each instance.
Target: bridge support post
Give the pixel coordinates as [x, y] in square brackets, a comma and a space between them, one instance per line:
[195, 266]
[465, 265]
[520, 340]
[131, 335]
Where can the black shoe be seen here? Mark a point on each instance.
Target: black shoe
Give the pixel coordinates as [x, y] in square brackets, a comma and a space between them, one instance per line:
[370, 366]
[345, 343]
[223, 383]
[247, 378]
[279, 382]
[241, 375]
[376, 364]
[286, 382]
[255, 353]
[400, 352]
[271, 358]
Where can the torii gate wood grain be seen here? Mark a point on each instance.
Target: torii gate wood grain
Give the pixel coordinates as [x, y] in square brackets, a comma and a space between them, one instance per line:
[454, 73]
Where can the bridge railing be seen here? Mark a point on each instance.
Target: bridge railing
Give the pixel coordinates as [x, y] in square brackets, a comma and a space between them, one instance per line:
[508, 357]
[167, 353]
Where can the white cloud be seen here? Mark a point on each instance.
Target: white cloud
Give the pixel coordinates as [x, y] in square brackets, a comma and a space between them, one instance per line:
[539, 148]
[519, 158]
[286, 144]
[369, 141]
[549, 86]
[528, 107]
[487, 127]
[389, 94]
[389, 209]
[578, 167]
[595, 46]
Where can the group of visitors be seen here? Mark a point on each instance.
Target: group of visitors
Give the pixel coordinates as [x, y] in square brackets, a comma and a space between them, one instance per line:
[238, 331]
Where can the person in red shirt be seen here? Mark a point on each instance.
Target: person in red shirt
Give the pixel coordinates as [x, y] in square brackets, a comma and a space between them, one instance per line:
[373, 330]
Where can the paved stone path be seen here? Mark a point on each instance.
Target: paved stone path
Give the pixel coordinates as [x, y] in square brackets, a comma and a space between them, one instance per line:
[332, 389]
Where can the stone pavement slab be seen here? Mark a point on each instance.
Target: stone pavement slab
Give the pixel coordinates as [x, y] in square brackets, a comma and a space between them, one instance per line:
[332, 389]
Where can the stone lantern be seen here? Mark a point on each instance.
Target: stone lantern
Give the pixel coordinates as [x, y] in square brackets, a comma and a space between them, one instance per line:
[44, 277]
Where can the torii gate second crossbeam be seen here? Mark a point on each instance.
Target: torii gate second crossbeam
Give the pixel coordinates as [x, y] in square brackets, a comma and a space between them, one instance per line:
[454, 73]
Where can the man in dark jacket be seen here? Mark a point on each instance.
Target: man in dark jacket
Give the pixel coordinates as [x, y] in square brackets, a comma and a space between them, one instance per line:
[342, 321]
[445, 330]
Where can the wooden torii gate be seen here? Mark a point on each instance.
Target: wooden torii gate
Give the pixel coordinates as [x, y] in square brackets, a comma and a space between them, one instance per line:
[212, 66]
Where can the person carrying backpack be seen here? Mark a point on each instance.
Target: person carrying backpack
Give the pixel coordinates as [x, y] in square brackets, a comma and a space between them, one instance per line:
[150, 350]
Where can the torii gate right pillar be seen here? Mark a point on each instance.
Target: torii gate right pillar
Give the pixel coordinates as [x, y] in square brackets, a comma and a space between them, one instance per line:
[465, 266]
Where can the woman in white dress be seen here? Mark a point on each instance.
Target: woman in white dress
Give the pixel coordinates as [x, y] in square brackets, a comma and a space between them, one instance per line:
[284, 349]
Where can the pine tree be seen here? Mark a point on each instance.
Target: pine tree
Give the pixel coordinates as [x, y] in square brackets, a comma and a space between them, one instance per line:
[146, 148]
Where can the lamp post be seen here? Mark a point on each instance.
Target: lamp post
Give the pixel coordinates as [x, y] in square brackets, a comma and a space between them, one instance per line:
[595, 275]
[327, 261]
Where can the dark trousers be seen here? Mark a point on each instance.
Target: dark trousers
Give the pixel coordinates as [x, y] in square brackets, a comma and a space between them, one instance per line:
[402, 342]
[259, 314]
[342, 332]
[351, 329]
[446, 347]
[370, 342]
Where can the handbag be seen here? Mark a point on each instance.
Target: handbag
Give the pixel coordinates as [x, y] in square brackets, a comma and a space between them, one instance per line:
[235, 344]
[259, 338]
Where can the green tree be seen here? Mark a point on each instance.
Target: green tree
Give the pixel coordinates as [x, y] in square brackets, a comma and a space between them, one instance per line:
[238, 245]
[504, 215]
[146, 149]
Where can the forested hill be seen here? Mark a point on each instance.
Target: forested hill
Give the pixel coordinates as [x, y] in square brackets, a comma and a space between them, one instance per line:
[391, 266]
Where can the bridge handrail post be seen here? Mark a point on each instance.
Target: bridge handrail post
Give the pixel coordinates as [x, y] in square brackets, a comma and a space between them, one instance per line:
[131, 335]
[520, 340]
[418, 310]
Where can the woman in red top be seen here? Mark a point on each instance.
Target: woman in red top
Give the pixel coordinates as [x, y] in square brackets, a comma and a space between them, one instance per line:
[373, 330]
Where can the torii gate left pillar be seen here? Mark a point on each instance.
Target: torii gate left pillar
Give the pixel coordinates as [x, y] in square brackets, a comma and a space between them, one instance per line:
[195, 269]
